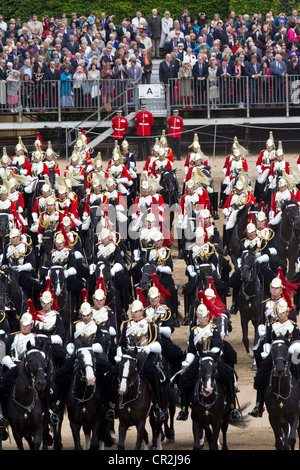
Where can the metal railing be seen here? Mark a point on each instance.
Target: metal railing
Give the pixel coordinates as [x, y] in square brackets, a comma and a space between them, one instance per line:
[234, 93]
[89, 96]
[97, 98]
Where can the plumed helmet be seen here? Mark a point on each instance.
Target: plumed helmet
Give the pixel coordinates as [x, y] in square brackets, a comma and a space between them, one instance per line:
[137, 305]
[153, 292]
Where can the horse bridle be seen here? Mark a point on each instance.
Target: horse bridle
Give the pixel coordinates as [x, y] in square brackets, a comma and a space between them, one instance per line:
[199, 389]
[31, 386]
[137, 379]
[287, 373]
[291, 223]
[84, 399]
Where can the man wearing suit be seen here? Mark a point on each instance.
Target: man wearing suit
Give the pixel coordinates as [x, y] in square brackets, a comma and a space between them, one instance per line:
[52, 78]
[72, 45]
[169, 46]
[200, 74]
[121, 76]
[220, 33]
[278, 69]
[223, 72]
[135, 72]
[168, 68]
[252, 70]
[188, 42]
[208, 39]
[165, 69]
[154, 26]
[125, 28]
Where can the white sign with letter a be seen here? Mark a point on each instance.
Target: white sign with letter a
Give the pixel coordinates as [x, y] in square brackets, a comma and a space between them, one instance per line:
[151, 91]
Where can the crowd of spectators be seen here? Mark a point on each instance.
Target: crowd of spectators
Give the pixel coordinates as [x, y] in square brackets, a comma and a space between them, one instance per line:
[79, 52]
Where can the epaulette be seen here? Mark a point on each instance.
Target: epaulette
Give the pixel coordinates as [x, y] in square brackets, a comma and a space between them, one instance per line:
[2, 316]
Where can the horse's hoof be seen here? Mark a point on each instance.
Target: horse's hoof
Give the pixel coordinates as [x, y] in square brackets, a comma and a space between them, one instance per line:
[250, 353]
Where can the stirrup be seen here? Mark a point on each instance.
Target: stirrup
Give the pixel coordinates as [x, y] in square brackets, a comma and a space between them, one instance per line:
[159, 414]
[256, 412]
[235, 414]
[182, 415]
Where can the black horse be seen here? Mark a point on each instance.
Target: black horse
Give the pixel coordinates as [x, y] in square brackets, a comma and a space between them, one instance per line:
[85, 402]
[210, 410]
[4, 229]
[134, 401]
[169, 192]
[62, 296]
[282, 396]
[288, 236]
[250, 297]
[25, 403]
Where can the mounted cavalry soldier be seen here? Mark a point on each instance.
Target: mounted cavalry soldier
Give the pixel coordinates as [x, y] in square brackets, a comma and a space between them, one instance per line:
[68, 201]
[21, 161]
[281, 326]
[63, 256]
[204, 337]
[161, 315]
[50, 322]
[38, 171]
[141, 332]
[283, 194]
[40, 206]
[103, 314]
[202, 251]
[196, 150]
[52, 165]
[49, 219]
[279, 167]
[109, 251]
[7, 170]
[118, 171]
[263, 165]
[18, 256]
[97, 172]
[96, 204]
[240, 196]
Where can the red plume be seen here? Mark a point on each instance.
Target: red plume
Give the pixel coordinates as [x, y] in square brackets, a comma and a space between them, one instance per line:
[63, 231]
[288, 299]
[84, 295]
[291, 287]
[48, 288]
[218, 301]
[100, 284]
[82, 132]
[251, 218]
[263, 207]
[38, 137]
[140, 296]
[33, 311]
[163, 292]
[214, 311]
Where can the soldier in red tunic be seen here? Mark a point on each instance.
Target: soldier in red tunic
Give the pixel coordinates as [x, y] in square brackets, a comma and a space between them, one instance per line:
[175, 124]
[119, 125]
[144, 121]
